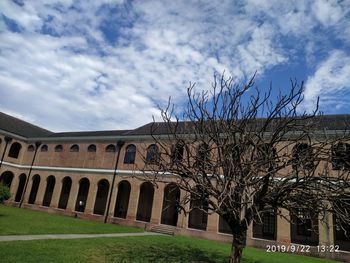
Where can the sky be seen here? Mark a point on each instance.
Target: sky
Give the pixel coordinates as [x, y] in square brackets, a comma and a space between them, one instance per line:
[104, 65]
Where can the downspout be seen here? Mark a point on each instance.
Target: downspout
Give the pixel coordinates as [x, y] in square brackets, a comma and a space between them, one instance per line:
[7, 140]
[37, 144]
[120, 146]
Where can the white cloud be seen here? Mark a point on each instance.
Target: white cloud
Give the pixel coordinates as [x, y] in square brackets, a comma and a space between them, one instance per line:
[330, 82]
[63, 72]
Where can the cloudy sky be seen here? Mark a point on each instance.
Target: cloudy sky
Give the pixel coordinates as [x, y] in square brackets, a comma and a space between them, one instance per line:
[96, 65]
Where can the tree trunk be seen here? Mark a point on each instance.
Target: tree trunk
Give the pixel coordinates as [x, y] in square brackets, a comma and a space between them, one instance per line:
[238, 243]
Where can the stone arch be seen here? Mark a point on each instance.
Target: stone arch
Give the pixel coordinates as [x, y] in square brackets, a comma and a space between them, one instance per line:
[171, 202]
[6, 178]
[65, 191]
[144, 207]
[15, 150]
[101, 197]
[21, 184]
[198, 217]
[82, 196]
[34, 190]
[50, 186]
[122, 202]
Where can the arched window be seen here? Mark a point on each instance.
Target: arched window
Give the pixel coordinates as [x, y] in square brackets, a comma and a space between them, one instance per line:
[74, 148]
[59, 148]
[92, 148]
[152, 156]
[266, 155]
[110, 148]
[202, 159]
[14, 150]
[178, 152]
[130, 153]
[44, 148]
[6, 178]
[341, 156]
[30, 148]
[302, 156]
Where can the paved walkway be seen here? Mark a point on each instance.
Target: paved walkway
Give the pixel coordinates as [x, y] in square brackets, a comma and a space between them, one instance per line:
[73, 236]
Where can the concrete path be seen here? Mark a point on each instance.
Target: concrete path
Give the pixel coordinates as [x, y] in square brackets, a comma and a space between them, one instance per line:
[73, 236]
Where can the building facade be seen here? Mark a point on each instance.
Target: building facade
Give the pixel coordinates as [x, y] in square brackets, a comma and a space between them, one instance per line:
[95, 175]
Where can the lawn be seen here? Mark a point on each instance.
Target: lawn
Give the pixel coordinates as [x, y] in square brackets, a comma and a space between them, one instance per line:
[136, 249]
[123, 249]
[16, 221]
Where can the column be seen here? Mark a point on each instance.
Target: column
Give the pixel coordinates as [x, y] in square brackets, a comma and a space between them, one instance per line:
[325, 229]
[90, 203]
[283, 227]
[56, 193]
[73, 195]
[157, 206]
[134, 196]
[182, 220]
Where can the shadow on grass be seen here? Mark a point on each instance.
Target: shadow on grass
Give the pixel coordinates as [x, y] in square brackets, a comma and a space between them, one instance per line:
[165, 253]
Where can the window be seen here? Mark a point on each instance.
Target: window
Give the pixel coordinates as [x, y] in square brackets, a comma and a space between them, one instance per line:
[74, 148]
[130, 153]
[341, 156]
[152, 156]
[14, 150]
[92, 148]
[31, 148]
[59, 148]
[178, 152]
[266, 229]
[302, 156]
[266, 155]
[44, 148]
[110, 148]
[202, 159]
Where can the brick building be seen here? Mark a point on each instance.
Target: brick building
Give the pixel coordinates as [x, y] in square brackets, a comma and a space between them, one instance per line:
[95, 175]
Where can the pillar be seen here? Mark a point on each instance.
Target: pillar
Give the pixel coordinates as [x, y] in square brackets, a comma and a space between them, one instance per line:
[283, 227]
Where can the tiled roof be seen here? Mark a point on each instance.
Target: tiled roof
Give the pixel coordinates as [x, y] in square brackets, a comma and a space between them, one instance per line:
[22, 128]
[25, 129]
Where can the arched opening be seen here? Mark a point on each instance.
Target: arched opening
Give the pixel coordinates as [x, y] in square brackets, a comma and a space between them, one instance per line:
[110, 148]
[152, 156]
[74, 148]
[303, 159]
[64, 196]
[224, 227]
[34, 190]
[44, 148]
[171, 202]
[144, 207]
[341, 156]
[123, 196]
[101, 197]
[21, 184]
[6, 178]
[266, 229]
[31, 148]
[130, 154]
[50, 186]
[304, 227]
[83, 192]
[59, 148]
[198, 217]
[178, 152]
[91, 148]
[14, 150]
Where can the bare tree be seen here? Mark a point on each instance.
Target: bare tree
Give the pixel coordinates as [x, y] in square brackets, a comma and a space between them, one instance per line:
[241, 153]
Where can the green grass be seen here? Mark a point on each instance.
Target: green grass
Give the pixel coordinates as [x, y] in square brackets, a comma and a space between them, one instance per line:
[16, 221]
[136, 249]
[123, 249]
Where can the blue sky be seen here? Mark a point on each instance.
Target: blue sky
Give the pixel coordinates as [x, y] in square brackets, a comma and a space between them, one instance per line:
[97, 65]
